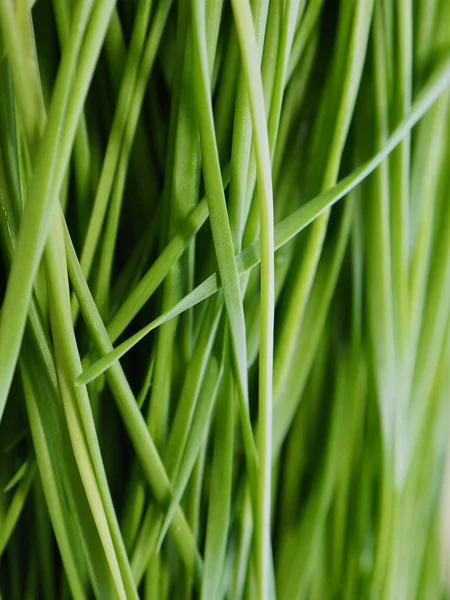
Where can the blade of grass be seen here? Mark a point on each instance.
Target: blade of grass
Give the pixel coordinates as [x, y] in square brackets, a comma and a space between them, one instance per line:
[147, 542]
[249, 51]
[15, 507]
[242, 138]
[315, 318]
[19, 48]
[304, 33]
[220, 492]
[181, 424]
[428, 169]
[180, 195]
[379, 267]
[400, 174]
[189, 397]
[220, 224]
[241, 566]
[61, 502]
[305, 545]
[292, 13]
[18, 475]
[434, 319]
[400, 208]
[81, 151]
[194, 509]
[196, 438]
[45, 560]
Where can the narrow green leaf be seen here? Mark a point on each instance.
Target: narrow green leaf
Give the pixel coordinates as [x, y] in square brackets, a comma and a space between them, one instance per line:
[18, 475]
[220, 224]
[249, 51]
[15, 507]
[195, 438]
[220, 493]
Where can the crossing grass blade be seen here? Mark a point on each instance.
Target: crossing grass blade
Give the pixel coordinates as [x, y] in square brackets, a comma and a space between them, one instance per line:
[133, 420]
[292, 225]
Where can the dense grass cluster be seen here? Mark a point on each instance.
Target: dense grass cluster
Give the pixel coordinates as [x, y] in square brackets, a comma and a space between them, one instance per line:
[225, 299]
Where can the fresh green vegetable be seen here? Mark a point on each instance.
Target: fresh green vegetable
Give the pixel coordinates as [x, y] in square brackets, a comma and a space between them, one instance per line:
[225, 299]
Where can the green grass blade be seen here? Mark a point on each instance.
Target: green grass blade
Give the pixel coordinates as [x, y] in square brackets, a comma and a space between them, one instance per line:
[64, 501]
[18, 475]
[249, 50]
[322, 291]
[242, 140]
[189, 397]
[218, 216]
[220, 494]
[195, 439]
[16, 505]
